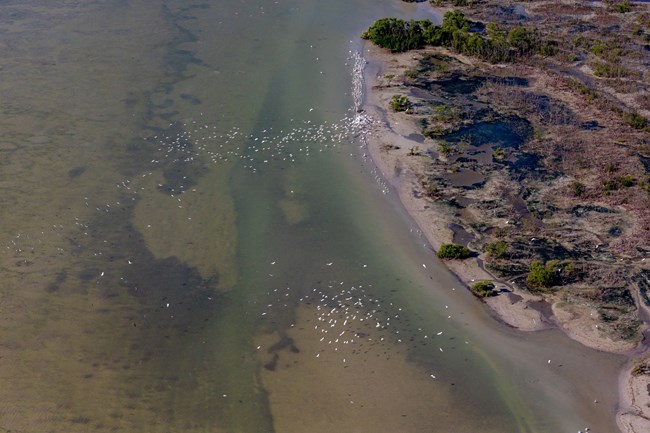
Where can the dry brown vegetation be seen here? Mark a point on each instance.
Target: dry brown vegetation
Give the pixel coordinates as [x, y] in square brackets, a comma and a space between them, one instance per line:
[605, 49]
[576, 192]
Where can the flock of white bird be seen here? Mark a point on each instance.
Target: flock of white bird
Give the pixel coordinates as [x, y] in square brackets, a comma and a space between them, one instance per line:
[344, 315]
[350, 322]
[198, 142]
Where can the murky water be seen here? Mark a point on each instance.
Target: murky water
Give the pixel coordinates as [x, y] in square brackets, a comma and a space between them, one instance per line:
[193, 241]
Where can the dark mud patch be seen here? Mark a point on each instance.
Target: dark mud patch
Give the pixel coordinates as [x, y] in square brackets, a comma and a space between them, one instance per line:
[454, 84]
[580, 211]
[645, 160]
[550, 111]
[273, 363]
[509, 133]
[80, 420]
[191, 99]
[76, 172]
[526, 162]
[466, 179]
[418, 138]
[58, 280]
[460, 235]
[541, 249]
[544, 308]
[527, 166]
[591, 125]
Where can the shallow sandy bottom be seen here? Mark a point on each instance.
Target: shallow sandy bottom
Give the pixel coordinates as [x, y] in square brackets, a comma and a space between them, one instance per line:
[360, 387]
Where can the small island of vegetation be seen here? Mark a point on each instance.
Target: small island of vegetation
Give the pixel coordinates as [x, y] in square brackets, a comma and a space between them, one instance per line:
[494, 45]
[483, 289]
[453, 252]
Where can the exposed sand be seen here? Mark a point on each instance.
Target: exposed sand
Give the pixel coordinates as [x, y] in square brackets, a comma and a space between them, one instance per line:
[521, 310]
[634, 412]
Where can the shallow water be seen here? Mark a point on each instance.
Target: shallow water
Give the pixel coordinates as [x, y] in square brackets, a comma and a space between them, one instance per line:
[510, 133]
[193, 241]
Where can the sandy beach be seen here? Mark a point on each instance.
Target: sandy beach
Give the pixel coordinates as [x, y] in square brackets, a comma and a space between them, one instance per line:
[401, 154]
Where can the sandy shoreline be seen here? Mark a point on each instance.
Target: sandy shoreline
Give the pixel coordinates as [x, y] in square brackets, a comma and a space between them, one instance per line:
[391, 148]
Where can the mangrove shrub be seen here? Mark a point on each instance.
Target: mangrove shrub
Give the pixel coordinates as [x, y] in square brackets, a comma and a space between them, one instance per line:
[496, 46]
[400, 103]
[541, 275]
[483, 289]
[396, 34]
[453, 251]
[498, 250]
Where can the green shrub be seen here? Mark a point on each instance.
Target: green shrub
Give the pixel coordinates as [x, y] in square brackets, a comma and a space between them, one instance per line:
[610, 185]
[432, 191]
[523, 40]
[541, 275]
[445, 148]
[455, 20]
[446, 113]
[626, 181]
[495, 32]
[498, 250]
[598, 48]
[434, 132]
[635, 120]
[609, 70]
[581, 88]
[397, 35]
[411, 73]
[483, 289]
[549, 48]
[400, 103]
[578, 188]
[581, 41]
[642, 368]
[453, 251]
[612, 167]
[618, 182]
[623, 7]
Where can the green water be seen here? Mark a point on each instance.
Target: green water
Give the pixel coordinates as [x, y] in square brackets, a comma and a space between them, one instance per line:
[181, 224]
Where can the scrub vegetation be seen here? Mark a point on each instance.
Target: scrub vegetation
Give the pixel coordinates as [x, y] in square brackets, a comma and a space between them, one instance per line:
[483, 289]
[496, 44]
[544, 107]
[453, 251]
